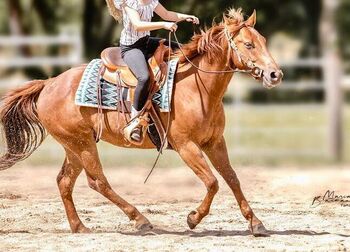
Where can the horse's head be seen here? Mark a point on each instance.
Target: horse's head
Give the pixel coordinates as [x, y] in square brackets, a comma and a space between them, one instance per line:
[248, 50]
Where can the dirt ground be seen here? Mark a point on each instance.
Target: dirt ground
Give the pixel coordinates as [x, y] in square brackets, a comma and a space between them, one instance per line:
[32, 216]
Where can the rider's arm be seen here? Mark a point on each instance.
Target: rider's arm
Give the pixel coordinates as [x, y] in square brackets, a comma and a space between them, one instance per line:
[140, 25]
[174, 16]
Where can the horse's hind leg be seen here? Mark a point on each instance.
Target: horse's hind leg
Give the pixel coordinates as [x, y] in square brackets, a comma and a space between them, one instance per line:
[66, 179]
[97, 181]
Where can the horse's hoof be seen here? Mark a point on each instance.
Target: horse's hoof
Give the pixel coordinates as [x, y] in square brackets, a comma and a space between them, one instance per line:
[82, 230]
[144, 226]
[191, 220]
[258, 230]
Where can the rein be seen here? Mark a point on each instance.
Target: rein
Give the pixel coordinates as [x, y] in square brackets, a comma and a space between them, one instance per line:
[166, 130]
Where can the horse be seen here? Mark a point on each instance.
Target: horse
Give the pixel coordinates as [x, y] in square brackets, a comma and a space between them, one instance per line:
[197, 119]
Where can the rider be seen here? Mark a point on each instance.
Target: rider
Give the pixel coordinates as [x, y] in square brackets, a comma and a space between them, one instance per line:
[137, 46]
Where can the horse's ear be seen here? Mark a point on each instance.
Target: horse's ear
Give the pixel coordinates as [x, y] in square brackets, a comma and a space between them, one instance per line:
[251, 21]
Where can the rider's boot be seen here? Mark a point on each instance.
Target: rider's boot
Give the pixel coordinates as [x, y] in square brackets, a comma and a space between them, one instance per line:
[135, 131]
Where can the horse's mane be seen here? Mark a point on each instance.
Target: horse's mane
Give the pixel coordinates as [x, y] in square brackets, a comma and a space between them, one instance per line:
[210, 41]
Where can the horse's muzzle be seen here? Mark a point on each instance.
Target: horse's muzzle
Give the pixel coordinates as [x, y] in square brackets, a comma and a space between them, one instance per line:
[276, 76]
[272, 78]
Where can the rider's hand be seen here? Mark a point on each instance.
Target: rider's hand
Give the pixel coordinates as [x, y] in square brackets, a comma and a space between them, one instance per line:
[170, 26]
[192, 19]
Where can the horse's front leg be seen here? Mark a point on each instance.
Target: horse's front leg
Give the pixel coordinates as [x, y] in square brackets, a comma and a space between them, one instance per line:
[194, 158]
[217, 153]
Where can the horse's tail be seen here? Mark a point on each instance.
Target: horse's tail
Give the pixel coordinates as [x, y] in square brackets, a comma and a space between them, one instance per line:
[23, 131]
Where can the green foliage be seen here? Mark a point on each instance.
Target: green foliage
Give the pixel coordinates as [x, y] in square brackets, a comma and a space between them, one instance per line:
[299, 18]
[4, 25]
[98, 27]
[343, 20]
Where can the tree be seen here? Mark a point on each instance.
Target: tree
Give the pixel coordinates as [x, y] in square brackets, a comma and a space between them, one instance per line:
[299, 18]
[98, 27]
[21, 23]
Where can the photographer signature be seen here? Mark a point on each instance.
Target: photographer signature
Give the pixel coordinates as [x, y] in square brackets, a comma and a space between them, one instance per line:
[331, 197]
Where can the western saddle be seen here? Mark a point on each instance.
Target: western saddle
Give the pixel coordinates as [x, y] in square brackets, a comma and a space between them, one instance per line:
[116, 67]
[115, 70]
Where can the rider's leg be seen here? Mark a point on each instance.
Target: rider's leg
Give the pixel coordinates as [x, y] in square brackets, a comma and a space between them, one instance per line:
[136, 61]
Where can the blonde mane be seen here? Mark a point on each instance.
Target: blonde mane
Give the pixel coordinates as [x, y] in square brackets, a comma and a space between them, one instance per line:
[210, 42]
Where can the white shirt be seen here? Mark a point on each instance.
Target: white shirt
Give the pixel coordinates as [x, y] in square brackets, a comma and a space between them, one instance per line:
[129, 36]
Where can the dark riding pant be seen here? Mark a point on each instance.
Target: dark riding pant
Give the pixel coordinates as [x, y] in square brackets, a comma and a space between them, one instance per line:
[136, 57]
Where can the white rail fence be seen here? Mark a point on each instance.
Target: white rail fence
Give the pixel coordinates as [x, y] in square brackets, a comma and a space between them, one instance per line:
[73, 56]
[327, 130]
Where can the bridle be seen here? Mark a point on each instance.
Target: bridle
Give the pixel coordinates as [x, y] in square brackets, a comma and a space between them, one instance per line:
[252, 69]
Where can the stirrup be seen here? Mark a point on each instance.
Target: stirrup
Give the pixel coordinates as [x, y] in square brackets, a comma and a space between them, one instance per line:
[141, 121]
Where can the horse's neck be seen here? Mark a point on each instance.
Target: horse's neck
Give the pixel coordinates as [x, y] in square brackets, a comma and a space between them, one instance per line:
[211, 86]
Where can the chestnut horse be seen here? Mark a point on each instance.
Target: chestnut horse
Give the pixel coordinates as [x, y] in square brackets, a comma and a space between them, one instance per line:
[196, 127]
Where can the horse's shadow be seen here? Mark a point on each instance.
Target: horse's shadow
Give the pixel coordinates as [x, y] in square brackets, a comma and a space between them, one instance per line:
[189, 233]
[225, 233]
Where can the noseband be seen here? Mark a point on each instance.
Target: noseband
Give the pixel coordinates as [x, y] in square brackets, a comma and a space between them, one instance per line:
[254, 70]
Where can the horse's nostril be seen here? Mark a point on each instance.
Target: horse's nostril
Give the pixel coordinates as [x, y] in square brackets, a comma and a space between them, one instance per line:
[274, 75]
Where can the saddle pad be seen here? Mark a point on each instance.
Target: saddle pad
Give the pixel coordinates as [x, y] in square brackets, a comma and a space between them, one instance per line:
[86, 94]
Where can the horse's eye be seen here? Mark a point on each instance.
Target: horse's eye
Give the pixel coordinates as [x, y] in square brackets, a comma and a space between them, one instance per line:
[249, 45]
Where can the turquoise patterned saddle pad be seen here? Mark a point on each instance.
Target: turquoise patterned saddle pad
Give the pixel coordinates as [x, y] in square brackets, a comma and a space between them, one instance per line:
[86, 95]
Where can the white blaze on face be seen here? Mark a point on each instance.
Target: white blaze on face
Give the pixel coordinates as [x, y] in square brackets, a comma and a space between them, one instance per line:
[260, 55]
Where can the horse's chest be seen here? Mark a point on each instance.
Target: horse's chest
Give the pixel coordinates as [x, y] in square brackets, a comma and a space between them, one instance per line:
[205, 128]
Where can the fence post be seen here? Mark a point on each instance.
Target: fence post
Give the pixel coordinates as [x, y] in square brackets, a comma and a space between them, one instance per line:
[332, 77]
